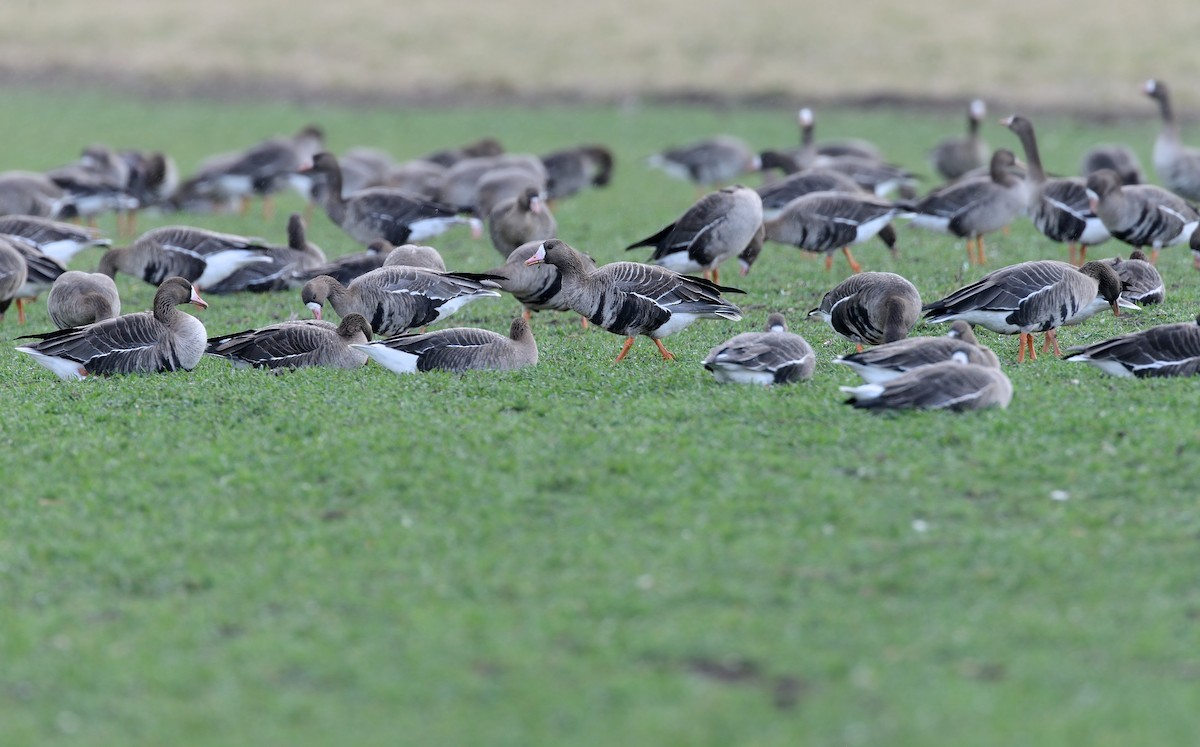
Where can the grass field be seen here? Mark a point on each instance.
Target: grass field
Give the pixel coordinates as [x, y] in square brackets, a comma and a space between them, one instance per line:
[585, 553]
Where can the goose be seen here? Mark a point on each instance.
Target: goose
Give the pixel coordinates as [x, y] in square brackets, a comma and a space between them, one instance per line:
[631, 299]
[1119, 158]
[418, 178]
[887, 361]
[871, 308]
[203, 257]
[30, 193]
[538, 286]
[873, 176]
[396, 299]
[96, 183]
[61, 241]
[40, 273]
[80, 298]
[823, 222]
[718, 226]
[153, 178]
[413, 255]
[811, 153]
[382, 213]
[1059, 207]
[521, 219]
[460, 185]
[1165, 350]
[776, 195]
[1141, 214]
[570, 170]
[951, 385]
[482, 148]
[344, 269]
[954, 157]
[456, 349]
[285, 262]
[12, 274]
[498, 185]
[974, 206]
[1037, 296]
[1177, 165]
[773, 356]
[163, 339]
[296, 344]
[713, 160]
[1140, 281]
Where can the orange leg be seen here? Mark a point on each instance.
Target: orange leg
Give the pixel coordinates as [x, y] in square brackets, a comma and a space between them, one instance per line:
[1071, 253]
[583, 320]
[855, 266]
[970, 250]
[1032, 352]
[666, 354]
[1021, 347]
[1153, 256]
[716, 277]
[1052, 339]
[20, 311]
[828, 262]
[858, 348]
[979, 249]
[1082, 254]
[625, 349]
[526, 314]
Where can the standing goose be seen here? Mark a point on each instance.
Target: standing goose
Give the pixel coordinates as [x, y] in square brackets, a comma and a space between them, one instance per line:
[164, 339]
[775, 195]
[396, 299]
[12, 274]
[707, 162]
[871, 308]
[974, 206]
[1059, 207]
[1141, 214]
[58, 240]
[954, 157]
[823, 222]
[887, 361]
[951, 385]
[1177, 165]
[1140, 281]
[571, 170]
[284, 263]
[382, 213]
[1030, 297]
[631, 299]
[1119, 158]
[718, 226]
[202, 257]
[30, 193]
[457, 349]
[80, 298]
[774, 356]
[538, 286]
[296, 344]
[413, 255]
[519, 220]
[1166, 350]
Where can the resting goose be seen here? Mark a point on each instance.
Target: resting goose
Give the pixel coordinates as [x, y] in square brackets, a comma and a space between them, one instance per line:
[1119, 158]
[461, 184]
[30, 193]
[412, 255]
[823, 222]
[296, 344]
[396, 299]
[812, 153]
[58, 240]
[12, 274]
[203, 257]
[1177, 165]
[519, 220]
[285, 263]
[538, 286]
[482, 148]
[1058, 207]
[96, 183]
[456, 349]
[876, 177]
[1030, 297]
[571, 170]
[718, 226]
[1166, 350]
[773, 356]
[164, 339]
[951, 385]
[80, 298]
[1141, 214]
[40, 273]
[974, 206]
[631, 299]
[871, 308]
[954, 157]
[711, 161]
[1140, 281]
[382, 213]
[887, 361]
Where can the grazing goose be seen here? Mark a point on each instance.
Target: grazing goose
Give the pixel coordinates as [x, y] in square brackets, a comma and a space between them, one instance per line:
[1059, 207]
[811, 153]
[1030, 297]
[1140, 281]
[382, 213]
[519, 220]
[871, 308]
[711, 161]
[164, 339]
[776, 195]
[571, 170]
[457, 349]
[296, 344]
[30, 193]
[40, 273]
[974, 206]
[1166, 350]
[12, 274]
[345, 269]
[285, 262]
[720, 225]
[951, 385]
[203, 257]
[412, 255]
[61, 241]
[1119, 158]
[418, 178]
[498, 185]
[396, 299]
[1141, 214]
[538, 286]
[482, 148]
[887, 361]
[823, 222]
[460, 185]
[631, 299]
[153, 178]
[80, 298]
[1177, 165]
[873, 176]
[96, 183]
[774, 356]
[955, 156]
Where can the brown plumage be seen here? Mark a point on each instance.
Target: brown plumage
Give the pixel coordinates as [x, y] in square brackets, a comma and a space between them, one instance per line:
[871, 308]
[296, 344]
[457, 349]
[519, 220]
[80, 298]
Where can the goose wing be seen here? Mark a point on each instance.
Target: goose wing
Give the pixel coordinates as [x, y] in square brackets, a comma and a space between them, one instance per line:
[290, 344]
[455, 349]
[127, 343]
[1168, 350]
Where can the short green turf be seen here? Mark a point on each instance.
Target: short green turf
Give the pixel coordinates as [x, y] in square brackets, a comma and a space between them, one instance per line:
[585, 553]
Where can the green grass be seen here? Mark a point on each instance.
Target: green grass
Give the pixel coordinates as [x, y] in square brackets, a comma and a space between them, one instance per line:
[586, 553]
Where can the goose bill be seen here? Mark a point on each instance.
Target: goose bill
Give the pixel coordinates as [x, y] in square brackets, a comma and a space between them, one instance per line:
[196, 300]
[315, 308]
[537, 257]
